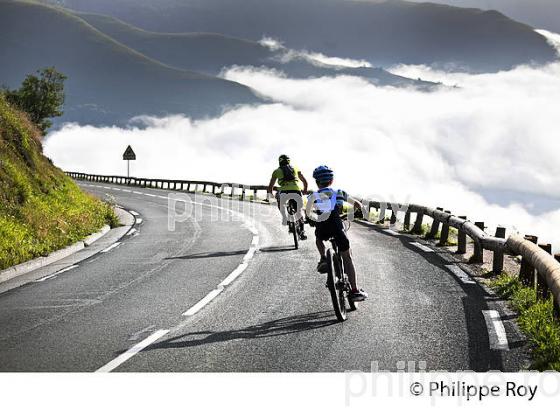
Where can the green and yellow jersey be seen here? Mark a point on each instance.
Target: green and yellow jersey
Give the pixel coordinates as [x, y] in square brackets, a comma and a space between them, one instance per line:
[286, 181]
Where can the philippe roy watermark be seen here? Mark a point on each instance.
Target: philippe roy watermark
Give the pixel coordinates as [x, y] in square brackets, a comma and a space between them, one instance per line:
[411, 379]
[184, 207]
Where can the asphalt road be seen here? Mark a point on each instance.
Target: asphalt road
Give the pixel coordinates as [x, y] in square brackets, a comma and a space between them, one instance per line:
[124, 309]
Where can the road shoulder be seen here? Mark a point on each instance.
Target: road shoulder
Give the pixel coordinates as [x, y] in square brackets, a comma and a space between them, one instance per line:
[41, 267]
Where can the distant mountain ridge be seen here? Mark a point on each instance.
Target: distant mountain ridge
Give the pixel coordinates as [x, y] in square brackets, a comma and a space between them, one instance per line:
[107, 82]
[210, 53]
[382, 32]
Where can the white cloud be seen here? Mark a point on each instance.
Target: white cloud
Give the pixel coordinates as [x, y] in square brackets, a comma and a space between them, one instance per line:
[495, 134]
[317, 59]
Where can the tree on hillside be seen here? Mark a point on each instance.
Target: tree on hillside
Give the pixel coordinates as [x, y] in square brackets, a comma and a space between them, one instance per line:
[41, 97]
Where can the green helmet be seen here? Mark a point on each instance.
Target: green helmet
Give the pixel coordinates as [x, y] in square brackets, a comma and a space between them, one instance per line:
[283, 159]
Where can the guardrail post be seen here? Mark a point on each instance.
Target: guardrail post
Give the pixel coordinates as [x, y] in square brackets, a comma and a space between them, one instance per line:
[444, 237]
[540, 283]
[417, 229]
[382, 211]
[527, 271]
[498, 258]
[243, 194]
[393, 220]
[406, 224]
[435, 227]
[478, 254]
[255, 195]
[462, 240]
[232, 190]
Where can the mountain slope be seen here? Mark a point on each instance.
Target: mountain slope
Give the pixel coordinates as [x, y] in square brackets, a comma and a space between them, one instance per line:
[41, 209]
[210, 53]
[538, 13]
[383, 32]
[107, 82]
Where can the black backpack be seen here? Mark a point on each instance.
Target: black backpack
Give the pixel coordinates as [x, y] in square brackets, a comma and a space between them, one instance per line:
[288, 173]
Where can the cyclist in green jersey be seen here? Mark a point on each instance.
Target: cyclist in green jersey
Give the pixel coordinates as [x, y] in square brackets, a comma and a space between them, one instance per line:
[289, 178]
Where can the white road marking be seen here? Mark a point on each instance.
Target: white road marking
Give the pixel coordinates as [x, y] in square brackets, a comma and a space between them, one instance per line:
[116, 189]
[204, 301]
[134, 213]
[152, 195]
[126, 190]
[131, 232]
[57, 273]
[137, 193]
[161, 196]
[139, 221]
[113, 364]
[461, 274]
[496, 330]
[136, 336]
[113, 246]
[422, 247]
[391, 232]
[233, 275]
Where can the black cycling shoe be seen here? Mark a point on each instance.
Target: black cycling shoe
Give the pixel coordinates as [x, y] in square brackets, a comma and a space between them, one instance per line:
[302, 236]
[323, 266]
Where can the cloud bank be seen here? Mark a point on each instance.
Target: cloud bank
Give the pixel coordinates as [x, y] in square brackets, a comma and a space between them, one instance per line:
[487, 148]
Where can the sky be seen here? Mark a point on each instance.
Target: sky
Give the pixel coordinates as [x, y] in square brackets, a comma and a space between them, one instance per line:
[481, 145]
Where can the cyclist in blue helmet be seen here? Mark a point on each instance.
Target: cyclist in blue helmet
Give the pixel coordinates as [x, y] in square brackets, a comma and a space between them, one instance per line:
[328, 204]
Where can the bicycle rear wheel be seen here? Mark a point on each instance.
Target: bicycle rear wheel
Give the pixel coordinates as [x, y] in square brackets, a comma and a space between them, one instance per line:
[336, 287]
[295, 233]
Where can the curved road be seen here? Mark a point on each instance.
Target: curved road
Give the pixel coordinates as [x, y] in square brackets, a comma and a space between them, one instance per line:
[267, 309]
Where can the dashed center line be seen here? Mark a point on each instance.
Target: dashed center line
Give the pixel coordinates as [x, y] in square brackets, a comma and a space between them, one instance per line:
[134, 213]
[139, 221]
[204, 301]
[496, 330]
[113, 364]
[391, 232]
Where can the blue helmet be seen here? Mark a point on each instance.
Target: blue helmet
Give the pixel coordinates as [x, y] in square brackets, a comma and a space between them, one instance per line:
[323, 174]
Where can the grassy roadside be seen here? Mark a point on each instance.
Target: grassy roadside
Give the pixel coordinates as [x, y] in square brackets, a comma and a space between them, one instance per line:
[536, 320]
[41, 209]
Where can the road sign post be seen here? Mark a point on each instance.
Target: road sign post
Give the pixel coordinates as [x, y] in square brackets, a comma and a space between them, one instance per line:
[128, 156]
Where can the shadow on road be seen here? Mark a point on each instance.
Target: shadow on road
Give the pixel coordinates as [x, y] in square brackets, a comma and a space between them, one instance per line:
[279, 327]
[209, 255]
[277, 249]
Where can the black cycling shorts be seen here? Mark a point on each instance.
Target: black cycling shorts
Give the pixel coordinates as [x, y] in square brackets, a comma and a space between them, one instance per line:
[333, 228]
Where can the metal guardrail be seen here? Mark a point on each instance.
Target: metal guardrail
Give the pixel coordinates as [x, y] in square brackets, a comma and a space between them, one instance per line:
[538, 267]
[231, 190]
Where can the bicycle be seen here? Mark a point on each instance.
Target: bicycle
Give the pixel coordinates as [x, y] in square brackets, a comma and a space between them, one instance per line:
[293, 226]
[337, 281]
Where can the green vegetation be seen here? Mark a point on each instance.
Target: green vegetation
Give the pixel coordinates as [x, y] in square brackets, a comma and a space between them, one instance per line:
[40, 97]
[536, 320]
[41, 209]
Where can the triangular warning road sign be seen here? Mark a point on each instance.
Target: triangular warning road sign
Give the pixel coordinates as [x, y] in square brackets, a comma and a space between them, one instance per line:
[129, 154]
